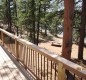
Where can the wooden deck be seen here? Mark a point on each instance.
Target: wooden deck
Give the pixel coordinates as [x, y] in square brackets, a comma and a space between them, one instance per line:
[33, 62]
[8, 70]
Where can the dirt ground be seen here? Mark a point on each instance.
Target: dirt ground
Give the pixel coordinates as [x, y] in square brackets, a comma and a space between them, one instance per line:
[58, 50]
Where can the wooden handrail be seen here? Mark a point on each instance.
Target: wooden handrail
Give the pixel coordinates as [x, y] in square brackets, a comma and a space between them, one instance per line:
[64, 63]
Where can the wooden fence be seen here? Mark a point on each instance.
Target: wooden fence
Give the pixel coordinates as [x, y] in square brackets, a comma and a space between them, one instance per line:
[40, 63]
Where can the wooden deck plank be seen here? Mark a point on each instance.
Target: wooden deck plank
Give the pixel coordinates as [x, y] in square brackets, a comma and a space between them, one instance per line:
[17, 74]
[13, 72]
[9, 74]
[3, 72]
[0, 74]
[25, 73]
[6, 67]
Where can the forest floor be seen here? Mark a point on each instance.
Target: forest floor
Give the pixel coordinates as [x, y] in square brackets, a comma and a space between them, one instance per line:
[47, 44]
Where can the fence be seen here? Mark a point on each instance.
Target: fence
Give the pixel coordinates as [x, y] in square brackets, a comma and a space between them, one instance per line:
[40, 63]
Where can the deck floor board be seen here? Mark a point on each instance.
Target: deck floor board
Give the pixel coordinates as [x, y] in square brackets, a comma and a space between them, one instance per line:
[8, 70]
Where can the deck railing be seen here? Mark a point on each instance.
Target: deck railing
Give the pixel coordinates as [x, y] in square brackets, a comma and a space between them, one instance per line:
[40, 63]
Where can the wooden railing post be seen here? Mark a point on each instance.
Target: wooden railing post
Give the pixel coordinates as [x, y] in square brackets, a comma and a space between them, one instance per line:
[2, 37]
[61, 72]
[16, 48]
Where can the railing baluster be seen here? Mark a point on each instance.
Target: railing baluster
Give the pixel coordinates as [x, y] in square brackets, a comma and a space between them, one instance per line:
[81, 78]
[38, 64]
[36, 61]
[44, 67]
[25, 53]
[2, 37]
[51, 71]
[29, 58]
[41, 67]
[47, 69]
[19, 50]
[33, 62]
[61, 72]
[16, 49]
[8, 45]
[55, 72]
[26, 64]
[74, 76]
[11, 45]
[20, 54]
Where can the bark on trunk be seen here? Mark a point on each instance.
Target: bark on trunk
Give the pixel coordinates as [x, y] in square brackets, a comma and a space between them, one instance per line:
[33, 20]
[82, 30]
[9, 17]
[15, 6]
[38, 25]
[68, 25]
[45, 23]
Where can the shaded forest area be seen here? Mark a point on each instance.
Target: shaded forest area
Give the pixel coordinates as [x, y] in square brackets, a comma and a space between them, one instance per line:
[34, 20]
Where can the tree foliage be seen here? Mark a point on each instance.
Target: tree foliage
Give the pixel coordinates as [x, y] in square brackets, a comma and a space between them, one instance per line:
[33, 15]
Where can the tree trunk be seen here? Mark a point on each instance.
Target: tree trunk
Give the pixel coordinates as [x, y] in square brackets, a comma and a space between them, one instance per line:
[9, 17]
[82, 30]
[38, 25]
[45, 29]
[33, 20]
[15, 6]
[6, 12]
[45, 21]
[68, 25]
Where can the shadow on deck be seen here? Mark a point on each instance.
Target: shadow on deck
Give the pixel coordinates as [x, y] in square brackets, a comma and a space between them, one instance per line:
[10, 69]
